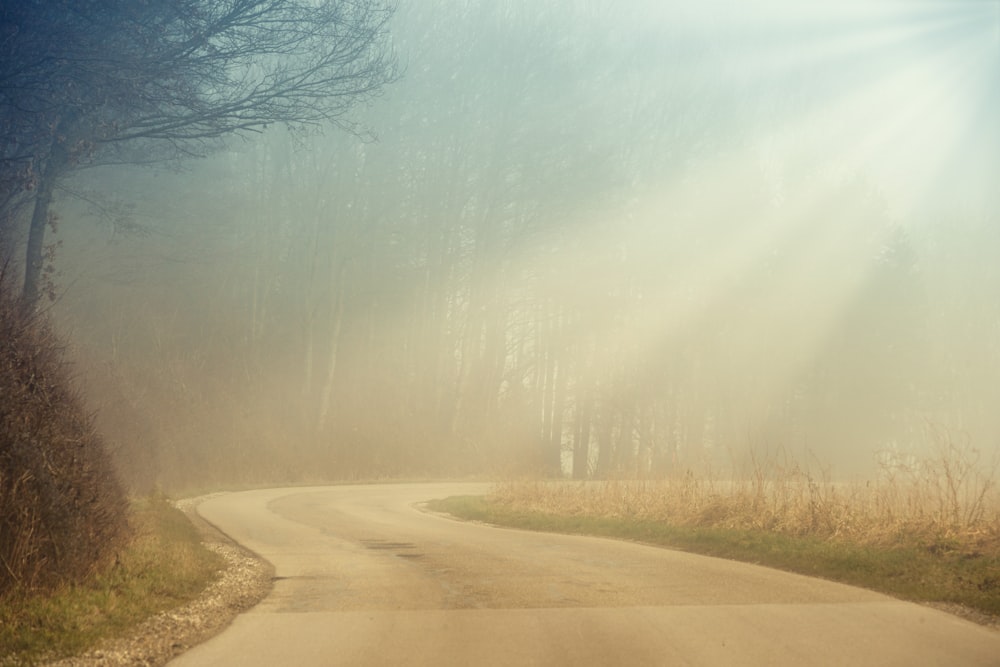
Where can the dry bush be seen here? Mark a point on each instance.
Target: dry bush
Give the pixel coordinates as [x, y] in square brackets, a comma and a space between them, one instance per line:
[948, 497]
[62, 510]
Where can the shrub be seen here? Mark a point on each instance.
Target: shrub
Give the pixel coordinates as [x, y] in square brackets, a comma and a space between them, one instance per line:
[62, 509]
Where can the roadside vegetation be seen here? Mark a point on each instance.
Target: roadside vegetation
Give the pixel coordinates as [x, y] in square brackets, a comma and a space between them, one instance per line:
[927, 531]
[77, 562]
[164, 566]
[62, 508]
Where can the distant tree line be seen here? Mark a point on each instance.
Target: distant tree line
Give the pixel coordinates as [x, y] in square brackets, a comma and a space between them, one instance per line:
[497, 286]
[564, 255]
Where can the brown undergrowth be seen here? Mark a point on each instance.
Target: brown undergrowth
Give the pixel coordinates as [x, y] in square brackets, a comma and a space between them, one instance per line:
[63, 513]
[947, 500]
[164, 566]
[923, 530]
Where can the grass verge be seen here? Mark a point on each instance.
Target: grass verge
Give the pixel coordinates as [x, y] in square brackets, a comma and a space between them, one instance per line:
[938, 572]
[164, 566]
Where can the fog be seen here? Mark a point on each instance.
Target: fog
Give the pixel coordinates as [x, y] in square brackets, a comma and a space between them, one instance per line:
[576, 237]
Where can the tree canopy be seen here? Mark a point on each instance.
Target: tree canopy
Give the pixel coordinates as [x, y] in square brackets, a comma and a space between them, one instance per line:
[135, 81]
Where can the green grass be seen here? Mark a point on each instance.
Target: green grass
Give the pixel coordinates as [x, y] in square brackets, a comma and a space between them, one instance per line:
[164, 566]
[910, 571]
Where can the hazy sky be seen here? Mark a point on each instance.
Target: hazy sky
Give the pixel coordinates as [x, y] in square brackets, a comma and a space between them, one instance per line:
[906, 92]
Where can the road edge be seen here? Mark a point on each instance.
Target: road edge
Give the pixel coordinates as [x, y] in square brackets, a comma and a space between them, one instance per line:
[246, 580]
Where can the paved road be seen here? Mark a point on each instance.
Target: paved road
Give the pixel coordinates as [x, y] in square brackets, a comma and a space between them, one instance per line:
[366, 578]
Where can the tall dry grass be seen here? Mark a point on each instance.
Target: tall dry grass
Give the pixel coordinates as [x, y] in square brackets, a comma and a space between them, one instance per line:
[950, 498]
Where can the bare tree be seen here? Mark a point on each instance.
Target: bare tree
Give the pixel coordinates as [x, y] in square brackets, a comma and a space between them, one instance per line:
[166, 79]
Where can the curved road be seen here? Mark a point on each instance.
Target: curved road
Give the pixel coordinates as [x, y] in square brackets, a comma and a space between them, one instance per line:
[364, 577]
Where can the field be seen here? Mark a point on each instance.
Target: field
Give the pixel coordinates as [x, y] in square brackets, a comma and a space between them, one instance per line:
[928, 531]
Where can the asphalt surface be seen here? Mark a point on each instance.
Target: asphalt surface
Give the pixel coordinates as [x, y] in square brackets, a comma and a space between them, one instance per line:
[366, 577]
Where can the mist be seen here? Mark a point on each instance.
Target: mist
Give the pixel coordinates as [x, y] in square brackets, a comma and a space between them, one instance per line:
[573, 238]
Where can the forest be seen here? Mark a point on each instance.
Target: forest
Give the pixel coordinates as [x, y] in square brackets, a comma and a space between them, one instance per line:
[566, 238]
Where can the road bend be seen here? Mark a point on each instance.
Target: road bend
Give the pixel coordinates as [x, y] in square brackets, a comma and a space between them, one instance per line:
[364, 576]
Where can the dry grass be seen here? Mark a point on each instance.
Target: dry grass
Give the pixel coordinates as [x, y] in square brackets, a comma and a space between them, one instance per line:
[951, 498]
[927, 531]
[163, 566]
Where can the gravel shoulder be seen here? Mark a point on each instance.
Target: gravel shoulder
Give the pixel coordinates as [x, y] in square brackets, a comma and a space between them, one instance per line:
[246, 580]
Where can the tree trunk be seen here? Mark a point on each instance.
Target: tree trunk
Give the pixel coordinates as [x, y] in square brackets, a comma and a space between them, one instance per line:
[55, 167]
[326, 396]
[35, 257]
[581, 441]
[605, 442]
